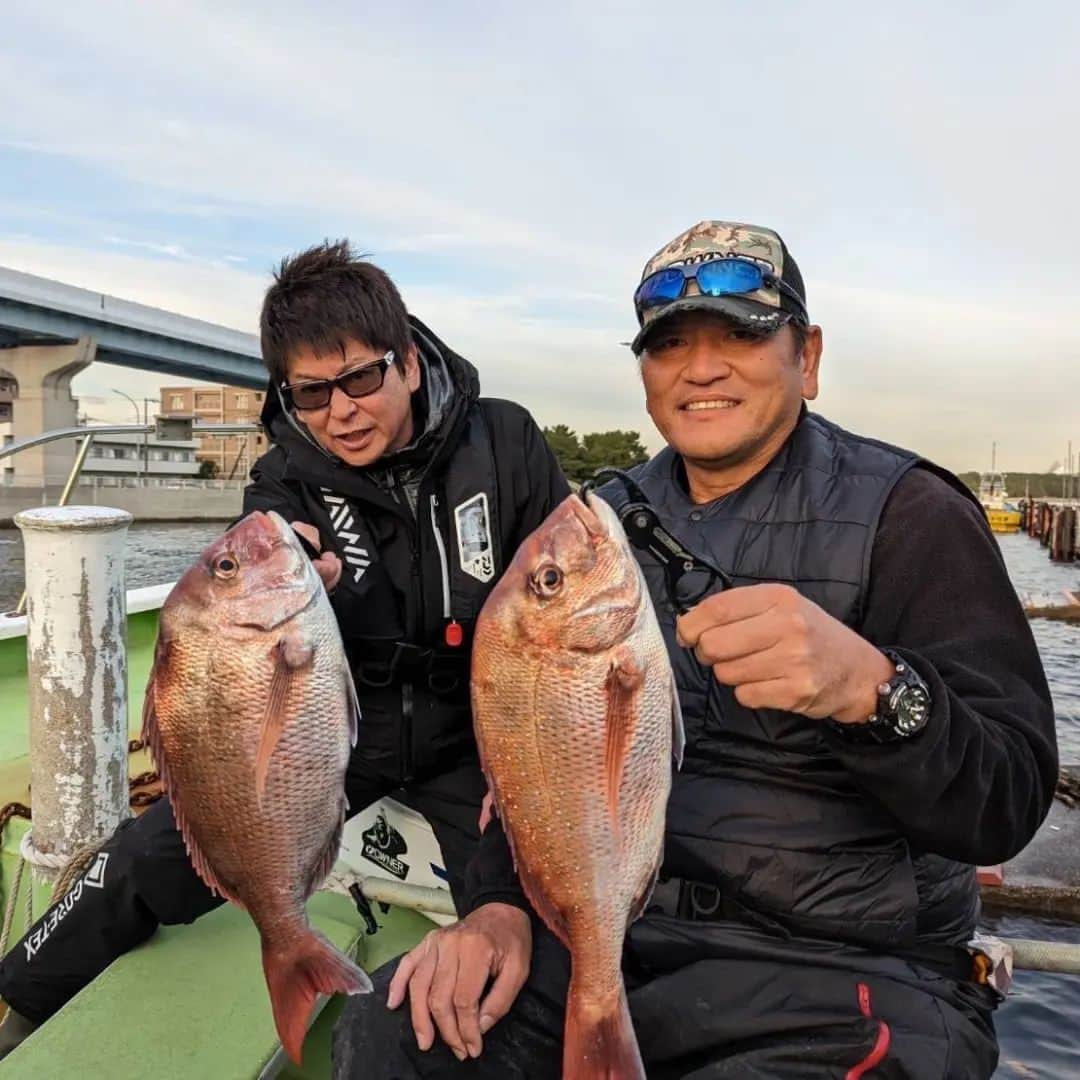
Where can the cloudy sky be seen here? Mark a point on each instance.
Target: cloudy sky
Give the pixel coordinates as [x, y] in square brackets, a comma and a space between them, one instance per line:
[512, 166]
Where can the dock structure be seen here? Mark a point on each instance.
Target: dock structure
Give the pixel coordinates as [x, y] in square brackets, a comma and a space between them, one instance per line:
[1044, 879]
[1055, 523]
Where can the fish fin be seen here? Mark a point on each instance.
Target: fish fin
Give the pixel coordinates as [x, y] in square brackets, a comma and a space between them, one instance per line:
[529, 885]
[488, 811]
[151, 734]
[536, 896]
[199, 861]
[623, 682]
[678, 728]
[295, 978]
[534, 893]
[599, 1041]
[328, 856]
[353, 705]
[290, 653]
[641, 901]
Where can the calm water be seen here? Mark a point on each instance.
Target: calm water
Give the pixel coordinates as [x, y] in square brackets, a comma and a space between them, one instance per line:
[1059, 643]
[155, 554]
[1039, 1026]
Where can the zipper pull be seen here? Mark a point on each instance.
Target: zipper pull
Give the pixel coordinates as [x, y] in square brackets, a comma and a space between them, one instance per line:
[453, 634]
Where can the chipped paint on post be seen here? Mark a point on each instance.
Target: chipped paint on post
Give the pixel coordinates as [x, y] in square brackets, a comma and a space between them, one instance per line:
[76, 645]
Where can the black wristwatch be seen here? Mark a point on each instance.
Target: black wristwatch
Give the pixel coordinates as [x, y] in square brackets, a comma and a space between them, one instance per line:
[903, 708]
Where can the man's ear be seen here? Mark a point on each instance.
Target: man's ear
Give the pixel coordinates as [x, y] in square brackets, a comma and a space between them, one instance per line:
[412, 369]
[809, 362]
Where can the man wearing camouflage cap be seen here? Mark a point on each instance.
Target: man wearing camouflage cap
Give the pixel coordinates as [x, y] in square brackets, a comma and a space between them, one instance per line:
[867, 719]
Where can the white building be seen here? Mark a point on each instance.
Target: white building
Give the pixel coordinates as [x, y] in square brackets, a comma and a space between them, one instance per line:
[120, 457]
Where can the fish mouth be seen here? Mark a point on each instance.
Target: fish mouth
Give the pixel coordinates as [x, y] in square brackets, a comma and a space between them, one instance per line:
[284, 533]
[283, 529]
[595, 515]
[280, 534]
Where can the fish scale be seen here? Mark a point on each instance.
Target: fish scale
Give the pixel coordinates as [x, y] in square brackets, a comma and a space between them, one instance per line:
[574, 707]
[250, 715]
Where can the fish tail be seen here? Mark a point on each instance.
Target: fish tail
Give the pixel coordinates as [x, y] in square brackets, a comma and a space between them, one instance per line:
[599, 1042]
[296, 976]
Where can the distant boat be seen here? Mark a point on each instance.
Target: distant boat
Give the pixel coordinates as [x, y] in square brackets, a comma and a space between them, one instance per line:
[1004, 516]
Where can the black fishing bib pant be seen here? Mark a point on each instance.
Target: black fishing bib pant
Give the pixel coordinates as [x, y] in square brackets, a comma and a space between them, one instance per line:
[710, 1000]
[148, 879]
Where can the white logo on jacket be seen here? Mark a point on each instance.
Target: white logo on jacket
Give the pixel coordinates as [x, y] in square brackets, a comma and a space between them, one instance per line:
[356, 558]
[475, 550]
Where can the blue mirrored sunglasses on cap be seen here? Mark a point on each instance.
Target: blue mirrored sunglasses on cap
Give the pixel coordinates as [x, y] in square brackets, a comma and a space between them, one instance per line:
[717, 277]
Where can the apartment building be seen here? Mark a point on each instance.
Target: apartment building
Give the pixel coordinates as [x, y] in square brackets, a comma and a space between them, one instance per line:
[232, 454]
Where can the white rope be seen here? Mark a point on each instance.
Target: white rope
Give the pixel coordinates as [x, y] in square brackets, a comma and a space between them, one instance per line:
[42, 859]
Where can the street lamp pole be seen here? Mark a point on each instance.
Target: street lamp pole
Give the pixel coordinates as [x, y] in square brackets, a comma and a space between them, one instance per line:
[146, 423]
[135, 406]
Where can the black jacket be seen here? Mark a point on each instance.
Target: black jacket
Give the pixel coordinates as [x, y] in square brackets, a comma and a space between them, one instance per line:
[424, 535]
[804, 832]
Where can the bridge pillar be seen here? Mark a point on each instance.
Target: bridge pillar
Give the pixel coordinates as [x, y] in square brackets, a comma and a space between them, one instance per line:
[44, 402]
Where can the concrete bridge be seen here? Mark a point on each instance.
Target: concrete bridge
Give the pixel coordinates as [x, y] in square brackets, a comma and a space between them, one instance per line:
[50, 331]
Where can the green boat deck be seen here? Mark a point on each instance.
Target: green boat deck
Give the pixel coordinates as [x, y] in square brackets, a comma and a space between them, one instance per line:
[14, 722]
[192, 1001]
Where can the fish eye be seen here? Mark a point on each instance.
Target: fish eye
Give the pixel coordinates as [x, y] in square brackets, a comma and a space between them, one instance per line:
[226, 567]
[547, 581]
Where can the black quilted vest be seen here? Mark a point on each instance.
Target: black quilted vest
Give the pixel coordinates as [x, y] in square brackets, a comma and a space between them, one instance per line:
[762, 808]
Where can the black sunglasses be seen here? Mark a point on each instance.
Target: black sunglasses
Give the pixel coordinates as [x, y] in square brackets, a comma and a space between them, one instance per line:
[357, 382]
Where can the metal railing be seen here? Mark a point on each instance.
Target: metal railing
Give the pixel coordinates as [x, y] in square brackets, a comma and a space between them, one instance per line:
[93, 430]
[87, 433]
[128, 481]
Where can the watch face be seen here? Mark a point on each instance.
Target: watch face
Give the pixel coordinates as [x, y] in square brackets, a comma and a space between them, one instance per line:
[912, 709]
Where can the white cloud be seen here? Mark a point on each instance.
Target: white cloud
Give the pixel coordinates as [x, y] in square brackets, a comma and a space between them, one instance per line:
[514, 168]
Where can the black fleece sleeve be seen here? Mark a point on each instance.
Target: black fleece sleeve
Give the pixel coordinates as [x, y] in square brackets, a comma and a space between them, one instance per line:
[490, 877]
[977, 782]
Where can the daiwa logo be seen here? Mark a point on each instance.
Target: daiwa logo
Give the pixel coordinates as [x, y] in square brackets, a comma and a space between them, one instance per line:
[382, 846]
[475, 549]
[356, 558]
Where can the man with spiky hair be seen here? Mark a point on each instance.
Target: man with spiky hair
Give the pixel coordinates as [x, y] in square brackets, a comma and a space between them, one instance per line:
[412, 493]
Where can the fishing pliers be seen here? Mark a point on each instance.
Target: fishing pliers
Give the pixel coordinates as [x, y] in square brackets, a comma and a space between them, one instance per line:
[689, 577]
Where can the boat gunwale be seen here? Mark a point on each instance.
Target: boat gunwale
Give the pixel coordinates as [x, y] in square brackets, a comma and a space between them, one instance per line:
[146, 598]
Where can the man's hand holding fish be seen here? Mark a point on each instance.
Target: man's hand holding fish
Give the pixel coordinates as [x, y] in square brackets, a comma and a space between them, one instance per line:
[464, 978]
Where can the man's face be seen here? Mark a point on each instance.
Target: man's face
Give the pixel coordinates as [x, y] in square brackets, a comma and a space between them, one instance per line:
[722, 396]
[358, 430]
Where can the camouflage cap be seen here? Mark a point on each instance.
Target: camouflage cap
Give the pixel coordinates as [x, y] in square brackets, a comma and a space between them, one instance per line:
[766, 308]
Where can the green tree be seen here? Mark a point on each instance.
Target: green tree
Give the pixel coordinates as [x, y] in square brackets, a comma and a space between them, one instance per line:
[568, 451]
[613, 449]
[207, 469]
[579, 458]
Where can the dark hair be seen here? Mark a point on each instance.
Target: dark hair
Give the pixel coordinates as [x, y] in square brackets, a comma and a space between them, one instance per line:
[325, 295]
